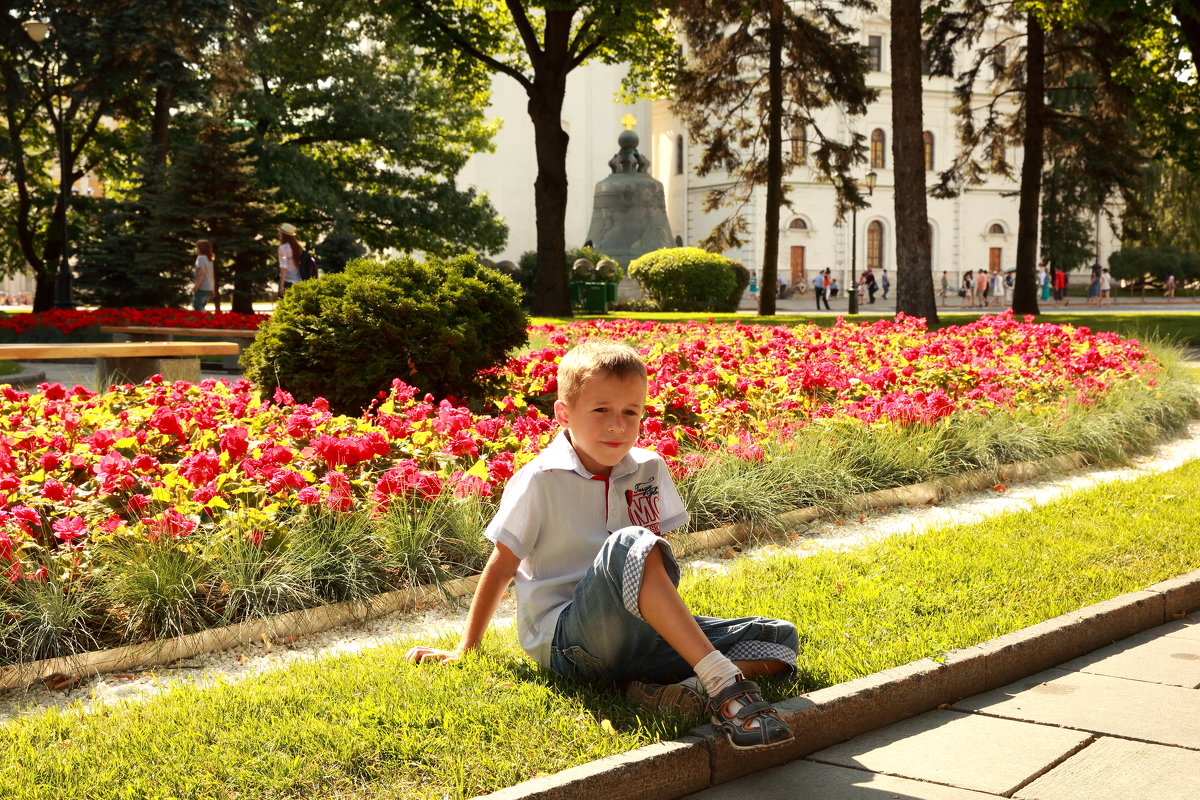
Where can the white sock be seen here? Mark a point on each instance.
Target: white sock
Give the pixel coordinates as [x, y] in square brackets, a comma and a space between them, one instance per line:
[716, 672]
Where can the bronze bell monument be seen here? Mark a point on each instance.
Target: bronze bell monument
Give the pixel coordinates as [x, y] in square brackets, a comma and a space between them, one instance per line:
[629, 213]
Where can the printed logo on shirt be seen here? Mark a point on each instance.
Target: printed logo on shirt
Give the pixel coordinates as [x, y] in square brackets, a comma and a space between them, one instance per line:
[642, 504]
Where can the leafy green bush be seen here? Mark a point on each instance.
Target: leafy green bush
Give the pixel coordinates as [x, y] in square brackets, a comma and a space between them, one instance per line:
[345, 336]
[687, 279]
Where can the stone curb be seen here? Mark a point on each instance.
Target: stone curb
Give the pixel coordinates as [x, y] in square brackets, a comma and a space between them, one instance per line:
[703, 758]
[323, 618]
[22, 380]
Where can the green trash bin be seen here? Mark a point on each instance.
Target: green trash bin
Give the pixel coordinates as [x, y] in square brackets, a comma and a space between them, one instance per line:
[595, 298]
[576, 293]
[610, 292]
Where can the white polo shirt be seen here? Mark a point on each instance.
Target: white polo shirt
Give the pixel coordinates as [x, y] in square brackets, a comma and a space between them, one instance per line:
[555, 515]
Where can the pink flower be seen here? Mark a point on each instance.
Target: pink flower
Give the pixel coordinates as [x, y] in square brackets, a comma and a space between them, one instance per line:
[200, 468]
[235, 442]
[53, 490]
[309, 496]
[70, 529]
[340, 497]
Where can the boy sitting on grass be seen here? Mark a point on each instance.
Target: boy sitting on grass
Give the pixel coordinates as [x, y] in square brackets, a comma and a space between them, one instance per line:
[579, 528]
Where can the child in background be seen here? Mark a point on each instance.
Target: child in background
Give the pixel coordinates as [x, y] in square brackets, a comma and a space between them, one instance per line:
[580, 529]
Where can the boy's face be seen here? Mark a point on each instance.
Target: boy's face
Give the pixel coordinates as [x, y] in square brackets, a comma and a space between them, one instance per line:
[604, 421]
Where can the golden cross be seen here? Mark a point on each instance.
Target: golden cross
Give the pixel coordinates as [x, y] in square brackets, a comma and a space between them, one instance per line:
[628, 121]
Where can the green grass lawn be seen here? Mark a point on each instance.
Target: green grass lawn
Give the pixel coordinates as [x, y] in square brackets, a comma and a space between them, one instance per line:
[371, 726]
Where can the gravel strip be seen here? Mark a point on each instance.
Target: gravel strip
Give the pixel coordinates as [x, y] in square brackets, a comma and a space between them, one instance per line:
[447, 617]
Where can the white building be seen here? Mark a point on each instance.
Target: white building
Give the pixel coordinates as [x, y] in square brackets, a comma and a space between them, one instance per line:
[975, 230]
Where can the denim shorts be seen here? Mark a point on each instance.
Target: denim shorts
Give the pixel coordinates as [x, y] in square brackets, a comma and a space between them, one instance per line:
[601, 636]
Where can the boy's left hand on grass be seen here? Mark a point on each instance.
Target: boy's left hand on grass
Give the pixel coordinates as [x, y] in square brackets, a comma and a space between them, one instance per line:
[420, 654]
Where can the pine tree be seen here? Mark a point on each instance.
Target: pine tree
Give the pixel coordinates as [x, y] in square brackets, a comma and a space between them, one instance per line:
[740, 104]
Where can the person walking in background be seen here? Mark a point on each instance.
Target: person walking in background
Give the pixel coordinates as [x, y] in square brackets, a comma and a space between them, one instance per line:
[1105, 287]
[289, 257]
[1044, 284]
[886, 283]
[945, 286]
[203, 282]
[872, 287]
[1169, 289]
[967, 290]
[981, 289]
[819, 290]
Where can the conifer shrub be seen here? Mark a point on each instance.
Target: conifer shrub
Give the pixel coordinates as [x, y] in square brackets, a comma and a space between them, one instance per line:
[687, 279]
[346, 335]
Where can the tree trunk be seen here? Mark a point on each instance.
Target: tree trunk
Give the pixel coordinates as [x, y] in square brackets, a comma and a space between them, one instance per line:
[914, 272]
[160, 125]
[43, 292]
[770, 258]
[241, 300]
[1025, 299]
[552, 297]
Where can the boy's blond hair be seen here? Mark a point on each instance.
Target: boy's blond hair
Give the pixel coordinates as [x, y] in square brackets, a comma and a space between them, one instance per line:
[598, 359]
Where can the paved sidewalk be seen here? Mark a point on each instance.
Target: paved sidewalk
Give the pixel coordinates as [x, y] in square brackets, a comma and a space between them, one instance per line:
[1122, 723]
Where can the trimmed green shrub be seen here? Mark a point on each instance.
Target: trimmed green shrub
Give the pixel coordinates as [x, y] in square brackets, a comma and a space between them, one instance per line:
[687, 279]
[345, 336]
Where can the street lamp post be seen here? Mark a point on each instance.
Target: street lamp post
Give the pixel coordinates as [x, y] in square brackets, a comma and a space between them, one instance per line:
[852, 289]
[37, 30]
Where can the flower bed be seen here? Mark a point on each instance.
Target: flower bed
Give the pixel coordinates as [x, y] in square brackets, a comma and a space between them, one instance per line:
[182, 478]
[63, 322]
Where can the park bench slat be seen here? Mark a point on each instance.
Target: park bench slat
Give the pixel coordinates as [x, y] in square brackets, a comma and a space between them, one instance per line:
[116, 350]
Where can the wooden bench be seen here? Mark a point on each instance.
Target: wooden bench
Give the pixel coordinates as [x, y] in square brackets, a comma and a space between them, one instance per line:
[127, 362]
[158, 333]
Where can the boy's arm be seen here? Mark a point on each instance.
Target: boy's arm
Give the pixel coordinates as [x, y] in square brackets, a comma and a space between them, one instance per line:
[497, 574]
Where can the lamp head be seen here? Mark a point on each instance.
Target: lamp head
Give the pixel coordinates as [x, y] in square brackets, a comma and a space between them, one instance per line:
[871, 178]
[36, 28]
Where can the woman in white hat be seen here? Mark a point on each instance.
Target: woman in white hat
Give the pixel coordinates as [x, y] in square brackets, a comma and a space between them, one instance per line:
[289, 257]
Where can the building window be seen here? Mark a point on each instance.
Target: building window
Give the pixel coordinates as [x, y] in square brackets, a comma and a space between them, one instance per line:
[800, 145]
[875, 53]
[678, 155]
[927, 136]
[878, 147]
[875, 245]
[999, 61]
[798, 224]
[996, 227]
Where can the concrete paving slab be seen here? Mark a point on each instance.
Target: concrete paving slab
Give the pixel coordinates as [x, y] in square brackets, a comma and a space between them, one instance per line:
[1135, 709]
[1118, 769]
[967, 751]
[1184, 629]
[804, 780]
[1148, 657]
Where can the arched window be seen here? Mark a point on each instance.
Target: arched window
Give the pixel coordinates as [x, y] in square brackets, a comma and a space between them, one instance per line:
[678, 155]
[928, 137]
[798, 224]
[875, 245]
[996, 227]
[878, 147]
